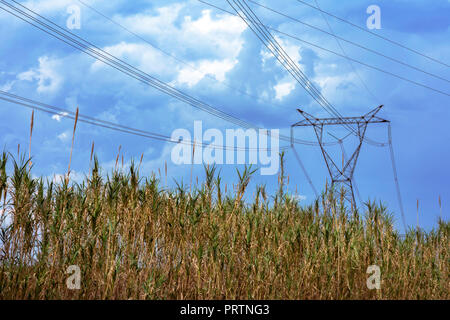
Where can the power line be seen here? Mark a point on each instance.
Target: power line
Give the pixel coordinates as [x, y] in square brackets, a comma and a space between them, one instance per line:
[394, 168]
[80, 46]
[299, 141]
[350, 42]
[365, 64]
[365, 86]
[261, 31]
[272, 45]
[132, 73]
[375, 34]
[62, 112]
[129, 70]
[118, 64]
[264, 35]
[165, 51]
[340, 55]
[304, 171]
[349, 62]
[36, 105]
[391, 148]
[397, 184]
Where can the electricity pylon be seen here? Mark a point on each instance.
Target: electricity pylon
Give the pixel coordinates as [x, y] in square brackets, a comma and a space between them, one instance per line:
[358, 125]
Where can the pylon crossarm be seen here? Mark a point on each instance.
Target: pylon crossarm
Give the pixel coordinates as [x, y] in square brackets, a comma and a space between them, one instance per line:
[302, 123]
[372, 113]
[342, 121]
[369, 117]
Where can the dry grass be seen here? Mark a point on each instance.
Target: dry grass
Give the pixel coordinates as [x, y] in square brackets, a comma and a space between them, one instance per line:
[134, 240]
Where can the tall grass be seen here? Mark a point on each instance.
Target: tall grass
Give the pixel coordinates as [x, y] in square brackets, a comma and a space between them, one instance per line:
[133, 239]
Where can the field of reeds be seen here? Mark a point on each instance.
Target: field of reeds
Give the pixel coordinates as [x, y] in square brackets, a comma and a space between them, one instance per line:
[133, 239]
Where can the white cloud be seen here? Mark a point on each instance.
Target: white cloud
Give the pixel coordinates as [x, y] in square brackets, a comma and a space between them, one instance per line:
[222, 32]
[220, 35]
[74, 177]
[7, 86]
[147, 23]
[147, 166]
[216, 68]
[283, 89]
[139, 55]
[58, 116]
[266, 55]
[46, 75]
[334, 86]
[64, 136]
[300, 197]
[158, 163]
[291, 49]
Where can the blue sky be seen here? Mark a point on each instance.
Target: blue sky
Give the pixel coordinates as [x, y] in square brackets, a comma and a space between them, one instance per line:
[39, 67]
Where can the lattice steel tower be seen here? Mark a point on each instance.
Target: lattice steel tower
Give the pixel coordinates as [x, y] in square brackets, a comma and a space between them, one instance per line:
[358, 125]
